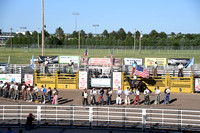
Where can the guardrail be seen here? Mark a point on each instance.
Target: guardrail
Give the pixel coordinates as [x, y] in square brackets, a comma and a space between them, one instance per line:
[106, 117]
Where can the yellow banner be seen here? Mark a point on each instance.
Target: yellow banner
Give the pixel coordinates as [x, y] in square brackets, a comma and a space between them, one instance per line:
[160, 61]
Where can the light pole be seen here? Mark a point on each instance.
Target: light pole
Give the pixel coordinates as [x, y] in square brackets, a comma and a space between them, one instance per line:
[11, 38]
[75, 14]
[134, 39]
[42, 27]
[140, 42]
[38, 37]
[95, 27]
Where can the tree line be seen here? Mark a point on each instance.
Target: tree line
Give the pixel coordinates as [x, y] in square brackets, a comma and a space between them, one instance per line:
[114, 38]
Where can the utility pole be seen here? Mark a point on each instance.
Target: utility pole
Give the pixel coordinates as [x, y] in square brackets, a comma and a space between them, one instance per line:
[42, 27]
[11, 38]
[79, 41]
[38, 37]
[140, 42]
[134, 39]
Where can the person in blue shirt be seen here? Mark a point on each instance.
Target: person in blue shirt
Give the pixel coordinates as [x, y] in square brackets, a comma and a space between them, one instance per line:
[119, 94]
[127, 93]
[134, 65]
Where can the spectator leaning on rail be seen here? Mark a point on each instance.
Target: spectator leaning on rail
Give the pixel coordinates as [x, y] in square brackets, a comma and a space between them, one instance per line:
[119, 96]
[127, 93]
[109, 96]
[146, 96]
[16, 92]
[155, 66]
[24, 87]
[85, 97]
[93, 94]
[46, 66]
[167, 93]
[12, 86]
[49, 94]
[55, 98]
[43, 91]
[1, 88]
[29, 93]
[101, 93]
[35, 95]
[157, 95]
[137, 98]
[180, 70]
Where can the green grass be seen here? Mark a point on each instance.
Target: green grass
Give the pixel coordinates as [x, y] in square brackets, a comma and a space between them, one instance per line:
[23, 56]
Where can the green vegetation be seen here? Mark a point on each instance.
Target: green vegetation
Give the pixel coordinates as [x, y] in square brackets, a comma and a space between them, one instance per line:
[24, 55]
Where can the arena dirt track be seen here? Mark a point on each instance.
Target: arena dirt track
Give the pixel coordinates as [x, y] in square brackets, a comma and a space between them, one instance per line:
[74, 97]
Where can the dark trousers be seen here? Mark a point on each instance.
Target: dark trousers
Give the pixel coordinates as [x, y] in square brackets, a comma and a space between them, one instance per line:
[108, 100]
[147, 100]
[46, 69]
[85, 101]
[49, 98]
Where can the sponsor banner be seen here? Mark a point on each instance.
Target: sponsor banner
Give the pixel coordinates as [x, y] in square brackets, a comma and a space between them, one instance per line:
[130, 61]
[66, 59]
[197, 84]
[100, 82]
[117, 80]
[28, 79]
[82, 80]
[51, 59]
[99, 61]
[176, 61]
[151, 61]
[10, 77]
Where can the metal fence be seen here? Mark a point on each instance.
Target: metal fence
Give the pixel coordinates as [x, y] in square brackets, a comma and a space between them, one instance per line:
[98, 117]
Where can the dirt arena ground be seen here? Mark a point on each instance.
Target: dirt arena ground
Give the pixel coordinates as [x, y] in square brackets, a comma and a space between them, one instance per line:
[74, 97]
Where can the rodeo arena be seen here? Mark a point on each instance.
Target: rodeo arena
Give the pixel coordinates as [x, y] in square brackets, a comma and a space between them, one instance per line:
[112, 94]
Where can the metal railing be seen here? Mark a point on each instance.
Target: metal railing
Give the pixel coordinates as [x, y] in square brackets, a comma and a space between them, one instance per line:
[106, 117]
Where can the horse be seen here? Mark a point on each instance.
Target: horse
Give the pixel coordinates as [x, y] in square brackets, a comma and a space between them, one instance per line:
[138, 84]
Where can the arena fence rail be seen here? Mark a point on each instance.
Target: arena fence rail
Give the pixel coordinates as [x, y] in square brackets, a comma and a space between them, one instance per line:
[101, 117]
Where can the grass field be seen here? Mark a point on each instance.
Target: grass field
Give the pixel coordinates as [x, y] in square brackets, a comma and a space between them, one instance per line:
[24, 55]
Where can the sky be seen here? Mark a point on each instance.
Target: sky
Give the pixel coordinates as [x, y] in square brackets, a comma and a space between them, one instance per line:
[143, 15]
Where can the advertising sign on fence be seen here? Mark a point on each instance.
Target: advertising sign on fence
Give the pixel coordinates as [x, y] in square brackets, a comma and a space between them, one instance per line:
[176, 61]
[100, 82]
[51, 59]
[99, 61]
[151, 61]
[82, 80]
[117, 80]
[197, 84]
[10, 77]
[28, 79]
[129, 61]
[66, 59]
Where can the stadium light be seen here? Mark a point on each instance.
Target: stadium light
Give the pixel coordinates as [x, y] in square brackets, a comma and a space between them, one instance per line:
[75, 14]
[95, 27]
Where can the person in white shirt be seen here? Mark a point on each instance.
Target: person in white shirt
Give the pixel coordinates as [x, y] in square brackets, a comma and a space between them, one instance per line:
[155, 66]
[12, 87]
[137, 94]
[180, 70]
[36, 90]
[1, 88]
[146, 96]
[85, 97]
[93, 94]
[46, 66]
[127, 93]
[16, 92]
[119, 96]
[157, 95]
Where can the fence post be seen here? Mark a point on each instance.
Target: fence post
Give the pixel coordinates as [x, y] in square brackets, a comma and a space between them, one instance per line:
[38, 115]
[3, 115]
[91, 116]
[56, 80]
[192, 83]
[122, 81]
[35, 77]
[144, 119]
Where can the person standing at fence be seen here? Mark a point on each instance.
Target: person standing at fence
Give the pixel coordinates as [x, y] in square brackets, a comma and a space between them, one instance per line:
[85, 97]
[12, 86]
[49, 92]
[1, 88]
[71, 65]
[146, 96]
[16, 92]
[180, 70]
[155, 66]
[29, 93]
[55, 98]
[24, 87]
[29, 121]
[127, 93]
[157, 95]
[167, 93]
[43, 91]
[7, 88]
[134, 65]
[137, 98]
[101, 93]
[46, 69]
[35, 95]
[109, 96]
[119, 96]
[93, 94]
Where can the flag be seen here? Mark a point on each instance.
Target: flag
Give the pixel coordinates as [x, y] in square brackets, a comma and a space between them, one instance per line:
[8, 65]
[85, 54]
[111, 57]
[32, 62]
[142, 72]
[190, 63]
